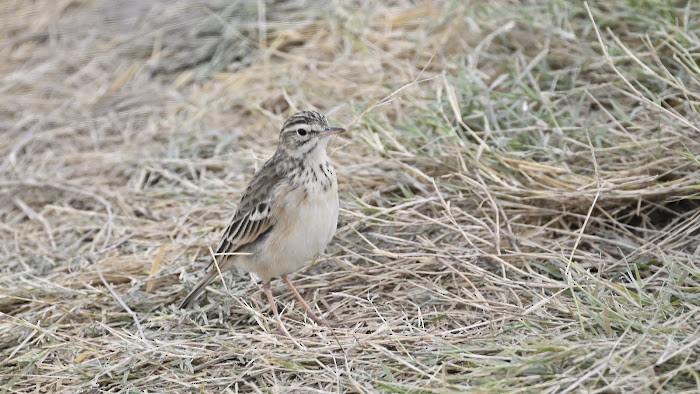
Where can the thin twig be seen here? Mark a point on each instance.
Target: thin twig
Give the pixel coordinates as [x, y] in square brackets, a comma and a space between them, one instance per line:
[118, 298]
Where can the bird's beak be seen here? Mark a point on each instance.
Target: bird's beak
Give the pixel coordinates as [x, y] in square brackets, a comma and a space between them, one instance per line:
[333, 130]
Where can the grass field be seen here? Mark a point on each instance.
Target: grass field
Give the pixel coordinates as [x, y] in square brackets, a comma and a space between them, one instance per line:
[520, 195]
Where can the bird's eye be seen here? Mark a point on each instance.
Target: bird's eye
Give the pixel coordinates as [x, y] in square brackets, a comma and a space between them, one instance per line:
[302, 132]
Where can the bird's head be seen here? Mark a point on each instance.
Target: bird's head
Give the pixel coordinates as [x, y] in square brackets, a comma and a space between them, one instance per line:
[306, 133]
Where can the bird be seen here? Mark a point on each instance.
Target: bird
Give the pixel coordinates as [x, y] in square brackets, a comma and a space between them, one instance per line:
[287, 214]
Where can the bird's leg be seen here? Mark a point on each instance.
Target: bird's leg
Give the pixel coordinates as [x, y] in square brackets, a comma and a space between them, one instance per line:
[273, 304]
[303, 303]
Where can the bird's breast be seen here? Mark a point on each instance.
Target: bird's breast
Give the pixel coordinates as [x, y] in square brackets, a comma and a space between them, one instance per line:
[305, 225]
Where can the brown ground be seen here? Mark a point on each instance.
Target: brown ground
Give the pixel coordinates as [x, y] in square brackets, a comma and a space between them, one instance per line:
[519, 202]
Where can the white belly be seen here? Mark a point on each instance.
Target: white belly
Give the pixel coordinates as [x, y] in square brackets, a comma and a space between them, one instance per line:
[310, 223]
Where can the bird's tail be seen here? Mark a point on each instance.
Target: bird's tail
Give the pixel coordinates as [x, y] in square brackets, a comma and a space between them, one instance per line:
[199, 287]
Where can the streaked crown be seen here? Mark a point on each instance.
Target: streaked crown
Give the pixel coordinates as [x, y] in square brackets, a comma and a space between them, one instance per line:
[306, 134]
[309, 119]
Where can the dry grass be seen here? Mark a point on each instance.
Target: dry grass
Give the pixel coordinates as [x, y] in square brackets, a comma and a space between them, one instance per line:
[520, 213]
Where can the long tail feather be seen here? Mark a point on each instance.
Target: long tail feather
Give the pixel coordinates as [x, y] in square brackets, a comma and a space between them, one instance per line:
[199, 287]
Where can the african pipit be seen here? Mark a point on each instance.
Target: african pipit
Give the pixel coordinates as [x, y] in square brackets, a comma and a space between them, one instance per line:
[288, 212]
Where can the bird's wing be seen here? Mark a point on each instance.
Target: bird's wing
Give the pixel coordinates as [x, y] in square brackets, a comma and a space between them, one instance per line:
[254, 217]
[255, 213]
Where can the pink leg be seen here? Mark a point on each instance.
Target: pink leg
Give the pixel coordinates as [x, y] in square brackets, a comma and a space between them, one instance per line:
[303, 303]
[273, 304]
